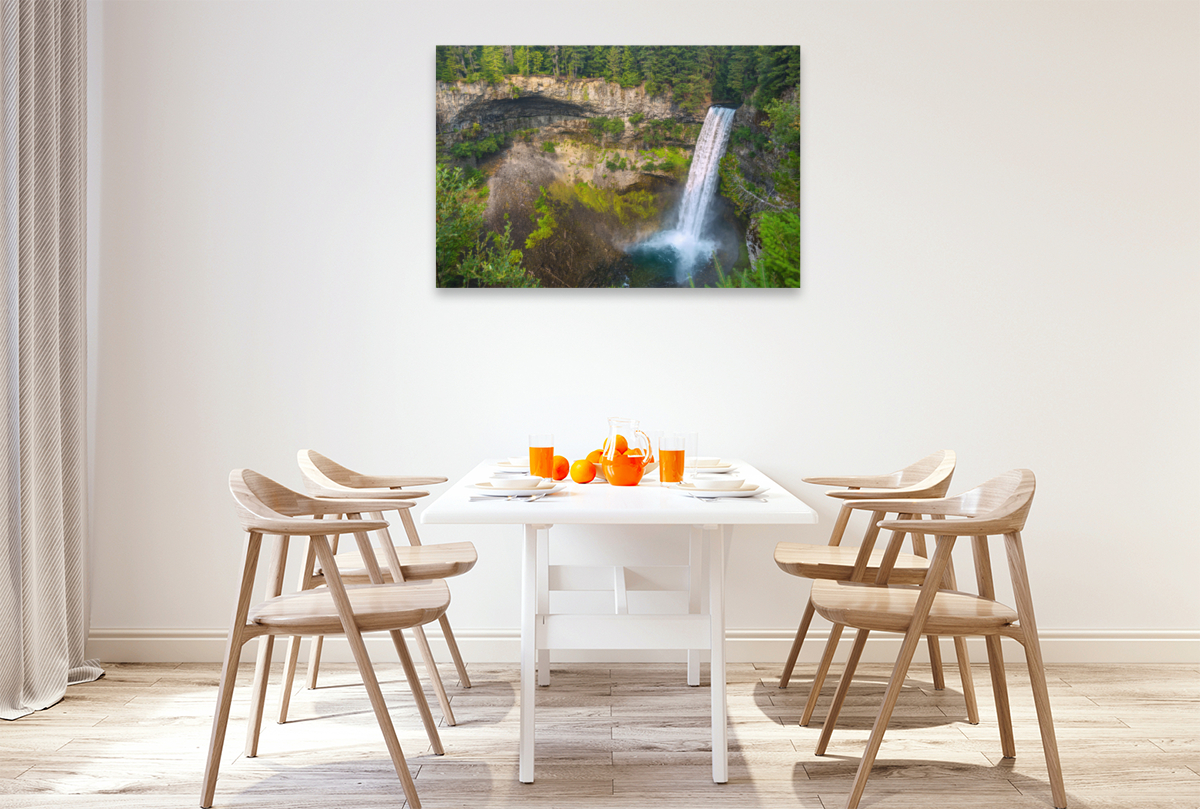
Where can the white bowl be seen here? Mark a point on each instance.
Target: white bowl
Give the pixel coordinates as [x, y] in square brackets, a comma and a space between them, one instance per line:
[700, 463]
[518, 482]
[722, 483]
[519, 461]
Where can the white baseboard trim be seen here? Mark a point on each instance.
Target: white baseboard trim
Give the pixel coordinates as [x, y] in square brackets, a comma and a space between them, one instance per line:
[141, 645]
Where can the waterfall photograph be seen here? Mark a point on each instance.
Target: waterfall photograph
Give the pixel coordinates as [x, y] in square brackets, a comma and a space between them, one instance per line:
[618, 166]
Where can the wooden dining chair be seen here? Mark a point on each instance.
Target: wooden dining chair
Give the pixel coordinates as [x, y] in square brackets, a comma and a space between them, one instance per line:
[405, 563]
[997, 508]
[268, 509]
[928, 477]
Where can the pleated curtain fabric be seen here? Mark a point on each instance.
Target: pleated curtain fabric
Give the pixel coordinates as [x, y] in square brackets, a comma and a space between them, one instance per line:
[43, 494]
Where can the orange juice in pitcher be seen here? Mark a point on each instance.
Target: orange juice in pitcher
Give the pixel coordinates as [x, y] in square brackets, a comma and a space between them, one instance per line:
[628, 453]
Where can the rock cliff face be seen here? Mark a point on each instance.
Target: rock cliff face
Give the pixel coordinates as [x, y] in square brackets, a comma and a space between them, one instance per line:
[522, 102]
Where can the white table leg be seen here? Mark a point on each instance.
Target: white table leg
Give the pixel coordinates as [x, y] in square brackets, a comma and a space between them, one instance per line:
[543, 598]
[529, 600]
[716, 608]
[695, 567]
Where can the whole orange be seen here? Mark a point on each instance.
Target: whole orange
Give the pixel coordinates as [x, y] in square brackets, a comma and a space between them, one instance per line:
[560, 467]
[622, 445]
[583, 471]
[595, 455]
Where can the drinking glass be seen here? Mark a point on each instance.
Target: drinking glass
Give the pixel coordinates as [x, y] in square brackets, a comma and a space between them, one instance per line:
[671, 455]
[541, 455]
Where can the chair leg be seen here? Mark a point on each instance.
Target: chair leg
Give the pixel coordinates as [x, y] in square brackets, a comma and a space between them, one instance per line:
[895, 685]
[289, 676]
[434, 676]
[464, 679]
[414, 684]
[912, 638]
[1037, 669]
[258, 694]
[964, 658]
[220, 722]
[968, 682]
[374, 693]
[835, 634]
[839, 697]
[1008, 743]
[367, 672]
[790, 663]
[935, 662]
[233, 651]
[314, 661]
[262, 666]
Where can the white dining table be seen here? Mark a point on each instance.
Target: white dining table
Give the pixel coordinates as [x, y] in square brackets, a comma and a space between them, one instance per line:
[597, 503]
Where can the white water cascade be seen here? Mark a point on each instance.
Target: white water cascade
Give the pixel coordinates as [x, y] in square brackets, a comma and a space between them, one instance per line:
[687, 238]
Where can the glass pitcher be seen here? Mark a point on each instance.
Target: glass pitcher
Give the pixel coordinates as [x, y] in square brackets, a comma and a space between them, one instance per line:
[628, 453]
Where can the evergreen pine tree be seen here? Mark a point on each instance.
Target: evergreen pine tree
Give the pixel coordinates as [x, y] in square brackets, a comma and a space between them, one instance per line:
[493, 64]
[630, 76]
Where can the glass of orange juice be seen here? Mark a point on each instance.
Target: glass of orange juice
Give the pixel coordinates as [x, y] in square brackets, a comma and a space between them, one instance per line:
[671, 448]
[541, 455]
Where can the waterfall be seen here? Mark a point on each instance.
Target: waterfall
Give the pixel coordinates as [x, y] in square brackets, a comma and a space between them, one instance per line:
[686, 243]
[702, 178]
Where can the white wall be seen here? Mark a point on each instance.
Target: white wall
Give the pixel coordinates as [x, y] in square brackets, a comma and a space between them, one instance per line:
[1000, 209]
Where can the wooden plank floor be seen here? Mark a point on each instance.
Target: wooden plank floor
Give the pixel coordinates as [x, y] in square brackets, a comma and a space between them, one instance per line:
[610, 736]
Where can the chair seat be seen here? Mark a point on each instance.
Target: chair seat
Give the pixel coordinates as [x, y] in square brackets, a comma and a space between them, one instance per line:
[376, 607]
[889, 608]
[417, 562]
[837, 563]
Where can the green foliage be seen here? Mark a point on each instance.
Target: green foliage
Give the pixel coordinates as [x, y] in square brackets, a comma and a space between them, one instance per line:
[466, 253]
[601, 126]
[779, 259]
[626, 207]
[543, 218]
[778, 262]
[514, 91]
[787, 179]
[636, 118]
[693, 74]
[492, 64]
[548, 146]
[747, 136]
[630, 75]
[783, 119]
[478, 148]
[616, 164]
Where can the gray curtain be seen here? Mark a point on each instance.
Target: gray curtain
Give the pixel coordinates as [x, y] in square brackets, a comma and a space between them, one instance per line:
[43, 496]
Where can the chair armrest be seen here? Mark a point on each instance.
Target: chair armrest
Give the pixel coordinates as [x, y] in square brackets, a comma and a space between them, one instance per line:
[915, 505]
[949, 528]
[397, 481]
[348, 505]
[879, 494]
[308, 528]
[855, 481]
[360, 494]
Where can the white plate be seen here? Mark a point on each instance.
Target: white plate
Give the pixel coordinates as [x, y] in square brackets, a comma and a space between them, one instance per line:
[709, 470]
[708, 465]
[747, 490]
[498, 489]
[509, 466]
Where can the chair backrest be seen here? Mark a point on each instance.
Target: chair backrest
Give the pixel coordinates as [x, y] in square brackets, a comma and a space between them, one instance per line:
[935, 468]
[928, 477]
[1003, 501]
[999, 506]
[260, 500]
[323, 476]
